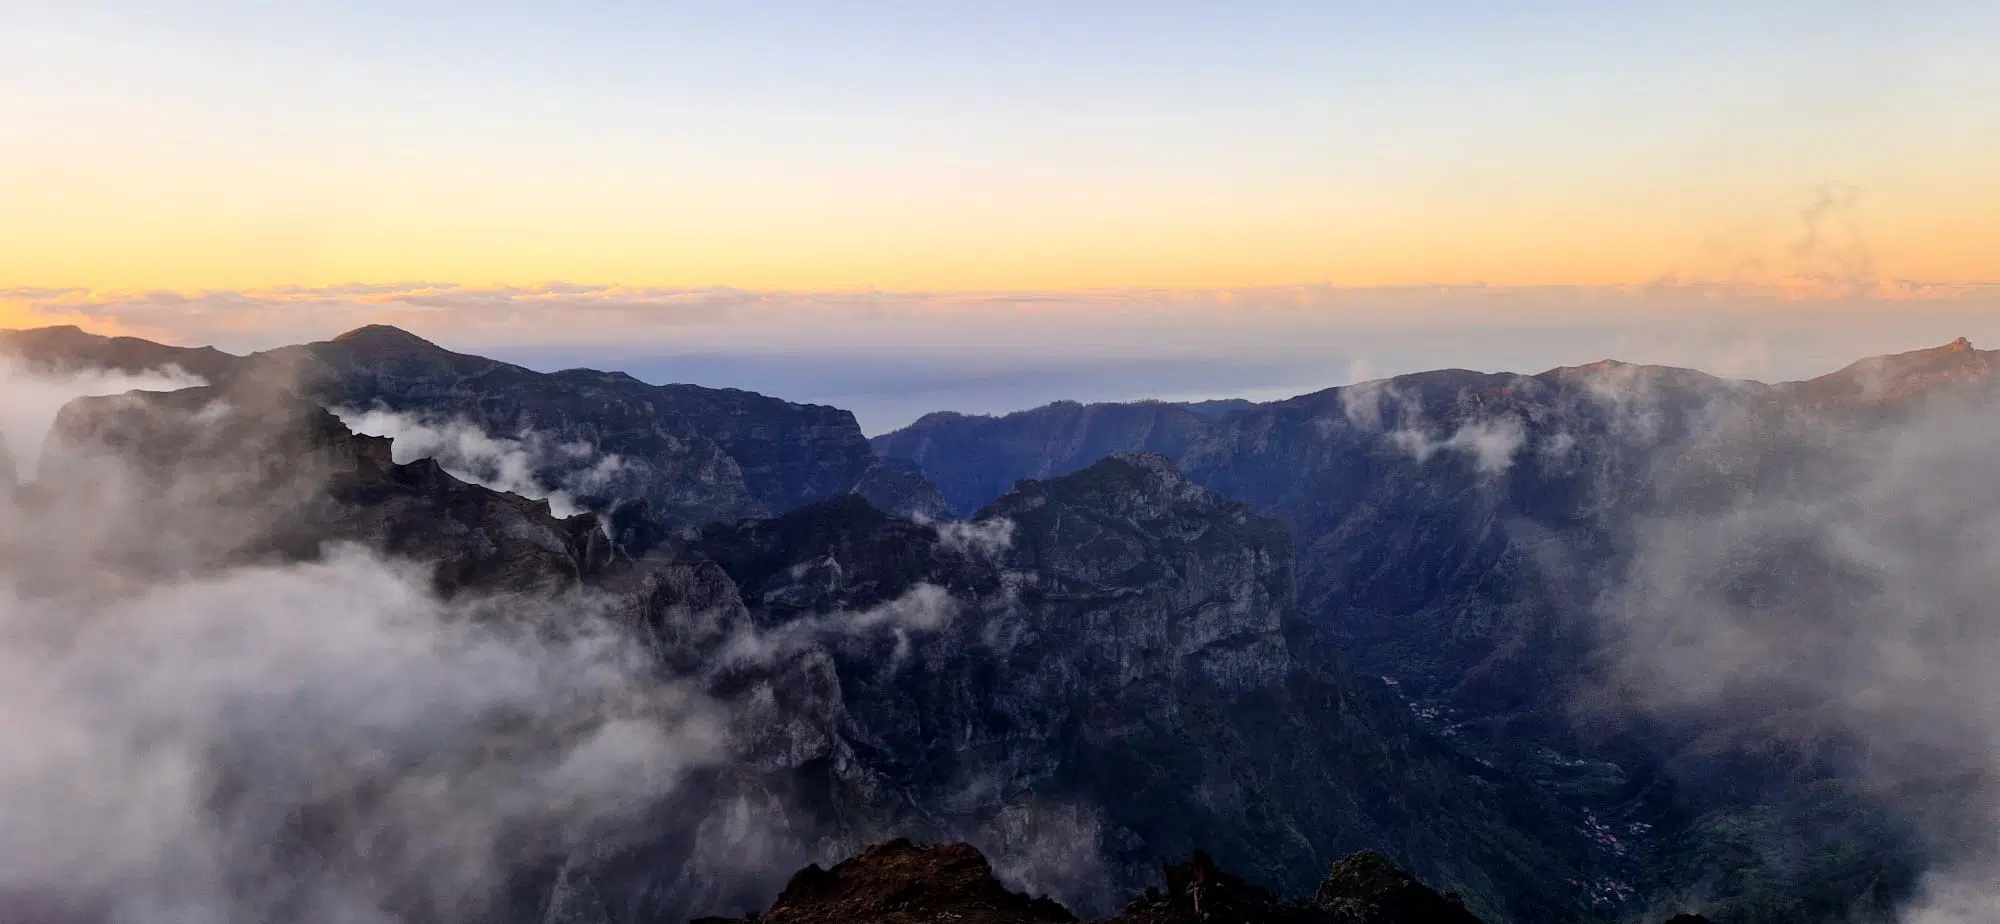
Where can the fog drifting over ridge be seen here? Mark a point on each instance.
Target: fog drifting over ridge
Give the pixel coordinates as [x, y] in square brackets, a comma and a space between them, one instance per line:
[891, 357]
[200, 738]
[317, 741]
[1848, 613]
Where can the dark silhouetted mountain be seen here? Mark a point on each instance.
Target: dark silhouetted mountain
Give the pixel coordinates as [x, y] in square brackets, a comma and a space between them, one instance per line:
[1053, 440]
[693, 454]
[902, 883]
[897, 486]
[70, 349]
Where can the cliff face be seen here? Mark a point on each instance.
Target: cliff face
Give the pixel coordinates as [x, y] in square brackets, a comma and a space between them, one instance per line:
[1117, 654]
[696, 453]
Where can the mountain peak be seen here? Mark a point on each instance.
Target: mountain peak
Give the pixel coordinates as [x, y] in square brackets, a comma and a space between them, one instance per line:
[386, 338]
[1900, 377]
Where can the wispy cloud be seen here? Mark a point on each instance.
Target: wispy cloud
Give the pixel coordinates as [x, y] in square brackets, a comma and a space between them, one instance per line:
[531, 464]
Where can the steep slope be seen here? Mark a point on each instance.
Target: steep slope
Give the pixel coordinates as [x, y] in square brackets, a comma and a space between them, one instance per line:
[1133, 661]
[700, 453]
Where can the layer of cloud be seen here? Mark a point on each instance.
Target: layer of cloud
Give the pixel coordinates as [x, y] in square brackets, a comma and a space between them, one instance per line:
[1377, 406]
[323, 742]
[1491, 444]
[1848, 612]
[329, 741]
[988, 538]
[923, 608]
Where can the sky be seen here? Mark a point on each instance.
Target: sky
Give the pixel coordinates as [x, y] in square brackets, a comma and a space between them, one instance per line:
[220, 159]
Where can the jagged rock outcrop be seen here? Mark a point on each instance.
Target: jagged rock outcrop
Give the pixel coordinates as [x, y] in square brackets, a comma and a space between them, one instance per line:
[904, 883]
[1367, 888]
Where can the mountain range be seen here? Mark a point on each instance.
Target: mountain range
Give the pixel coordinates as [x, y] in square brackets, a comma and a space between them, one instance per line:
[1090, 640]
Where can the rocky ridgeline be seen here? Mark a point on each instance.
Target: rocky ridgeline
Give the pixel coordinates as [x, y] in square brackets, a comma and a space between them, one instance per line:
[693, 454]
[900, 882]
[217, 477]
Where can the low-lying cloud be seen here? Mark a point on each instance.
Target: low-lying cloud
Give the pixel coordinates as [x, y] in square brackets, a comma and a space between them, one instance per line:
[523, 464]
[1379, 406]
[988, 538]
[1491, 444]
[1848, 612]
[320, 742]
[923, 608]
[32, 398]
[329, 741]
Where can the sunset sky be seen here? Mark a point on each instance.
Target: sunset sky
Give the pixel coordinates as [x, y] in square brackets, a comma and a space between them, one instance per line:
[986, 145]
[217, 159]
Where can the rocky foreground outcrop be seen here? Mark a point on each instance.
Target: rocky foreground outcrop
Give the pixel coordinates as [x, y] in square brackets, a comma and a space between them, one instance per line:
[900, 882]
